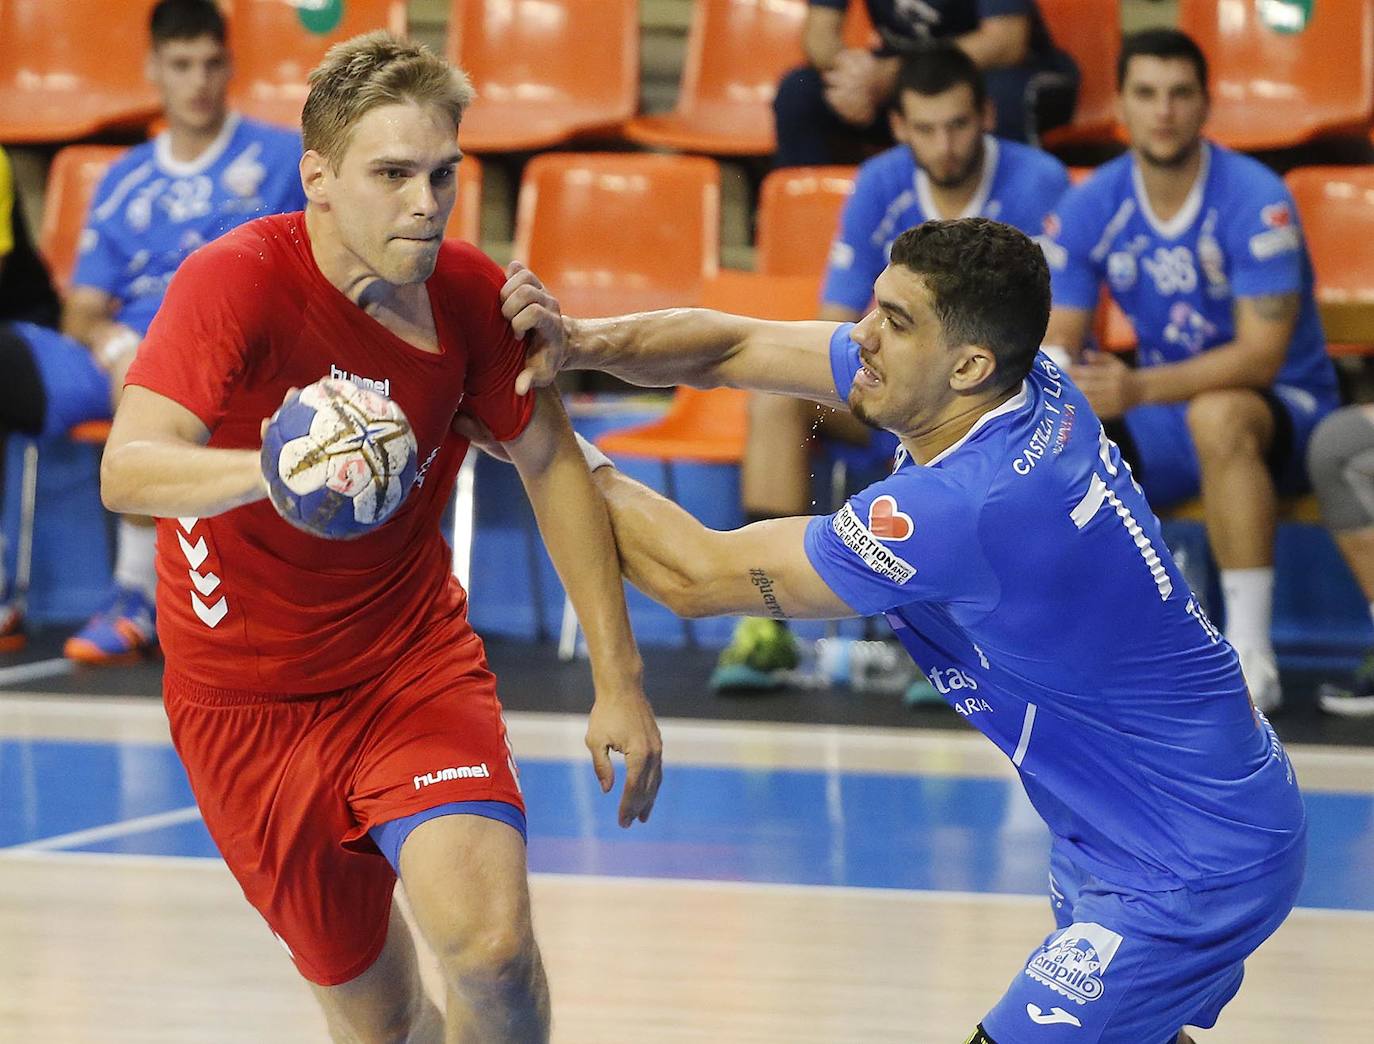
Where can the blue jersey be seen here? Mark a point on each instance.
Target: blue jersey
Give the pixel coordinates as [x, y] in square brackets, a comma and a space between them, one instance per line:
[1025, 573]
[1020, 187]
[1237, 235]
[152, 210]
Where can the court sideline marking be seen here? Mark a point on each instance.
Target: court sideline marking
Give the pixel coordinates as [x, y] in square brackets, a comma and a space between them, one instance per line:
[120, 828]
[24, 672]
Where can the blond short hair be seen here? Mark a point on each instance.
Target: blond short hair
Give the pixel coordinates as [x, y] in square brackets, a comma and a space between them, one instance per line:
[369, 71]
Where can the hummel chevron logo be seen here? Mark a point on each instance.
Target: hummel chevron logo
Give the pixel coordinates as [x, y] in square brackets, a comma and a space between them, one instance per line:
[211, 615]
[1053, 1017]
[195, 553]
[188, 524]
[204, 584]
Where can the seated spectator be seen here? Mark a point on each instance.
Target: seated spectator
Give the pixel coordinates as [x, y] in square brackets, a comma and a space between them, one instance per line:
[1341, 462]
[28, 309]
[1202, 250]
[208, 172]
[832, 110]
[947, 166]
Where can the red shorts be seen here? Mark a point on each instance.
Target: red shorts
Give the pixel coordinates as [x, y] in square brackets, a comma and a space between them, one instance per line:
[290, 785]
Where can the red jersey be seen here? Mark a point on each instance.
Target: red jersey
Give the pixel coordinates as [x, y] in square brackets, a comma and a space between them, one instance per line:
[246, 600]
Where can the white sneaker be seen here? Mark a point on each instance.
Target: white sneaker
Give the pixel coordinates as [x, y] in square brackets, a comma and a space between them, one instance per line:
[1262, 677]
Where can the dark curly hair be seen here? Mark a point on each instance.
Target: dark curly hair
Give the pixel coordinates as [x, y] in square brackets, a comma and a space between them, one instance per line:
[989, 285]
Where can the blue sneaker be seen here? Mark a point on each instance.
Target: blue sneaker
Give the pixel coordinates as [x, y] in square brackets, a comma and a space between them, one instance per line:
[124, 631]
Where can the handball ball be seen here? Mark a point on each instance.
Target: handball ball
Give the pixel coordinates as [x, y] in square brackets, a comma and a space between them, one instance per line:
[338, 459]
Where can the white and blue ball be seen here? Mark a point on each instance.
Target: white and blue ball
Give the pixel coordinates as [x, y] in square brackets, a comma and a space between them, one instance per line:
[338, 459]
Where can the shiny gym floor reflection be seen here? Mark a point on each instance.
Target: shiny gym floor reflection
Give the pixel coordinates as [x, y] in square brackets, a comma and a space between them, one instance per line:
[796, 883]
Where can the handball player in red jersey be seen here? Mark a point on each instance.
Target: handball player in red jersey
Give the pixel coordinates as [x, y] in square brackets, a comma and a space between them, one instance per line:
[331, 703]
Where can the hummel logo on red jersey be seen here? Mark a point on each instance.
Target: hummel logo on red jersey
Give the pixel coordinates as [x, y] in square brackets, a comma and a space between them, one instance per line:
[459, 772]
[380, 385]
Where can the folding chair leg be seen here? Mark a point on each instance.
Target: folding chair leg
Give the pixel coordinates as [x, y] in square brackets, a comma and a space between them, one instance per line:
[28, 510]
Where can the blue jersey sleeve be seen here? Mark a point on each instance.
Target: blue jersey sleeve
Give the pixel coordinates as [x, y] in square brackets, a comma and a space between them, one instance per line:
[100, 259]
[1264, 239]
[844, 359]
[1048, 189]
[910, 538]
[284, 194]
[1071, 232]
[856, 260]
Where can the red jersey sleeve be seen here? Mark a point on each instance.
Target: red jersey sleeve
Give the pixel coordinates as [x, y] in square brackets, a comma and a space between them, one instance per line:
[496, 355]
[214, 312]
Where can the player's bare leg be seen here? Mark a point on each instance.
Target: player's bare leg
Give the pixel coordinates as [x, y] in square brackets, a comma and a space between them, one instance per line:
[466, 881]
[773, 474]
[387, 1003]
[1233, 430]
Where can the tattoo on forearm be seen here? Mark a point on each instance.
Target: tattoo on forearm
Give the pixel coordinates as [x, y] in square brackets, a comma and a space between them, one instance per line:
[764, 583]
[1275, 307]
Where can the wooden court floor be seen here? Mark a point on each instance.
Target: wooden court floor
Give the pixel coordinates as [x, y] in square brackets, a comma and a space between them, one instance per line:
[152, 946]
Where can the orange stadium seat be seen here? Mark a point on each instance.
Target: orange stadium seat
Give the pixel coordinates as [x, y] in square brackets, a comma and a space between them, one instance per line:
[73, 68]
[277, 42]
[466, 220]
[1276, 85]
[799, 214]
[1336, 206]
[72, 180]
[737, 51]
[620, 232]
[546, 71]
[1090, 31]
[708, 427]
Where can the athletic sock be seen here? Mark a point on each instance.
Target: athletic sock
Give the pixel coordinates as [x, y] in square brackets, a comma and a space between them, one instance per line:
[135, 564]
[1248, 595]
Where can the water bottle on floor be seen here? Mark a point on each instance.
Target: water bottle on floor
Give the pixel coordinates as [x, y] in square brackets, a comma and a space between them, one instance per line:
[864, 666]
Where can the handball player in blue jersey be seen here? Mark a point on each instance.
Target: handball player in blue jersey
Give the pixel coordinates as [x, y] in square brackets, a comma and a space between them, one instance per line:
[946, 164]
[1021, 566]
[1202, 249]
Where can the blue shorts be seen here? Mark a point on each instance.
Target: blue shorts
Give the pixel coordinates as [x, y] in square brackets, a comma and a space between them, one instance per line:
[1168, 468]
[77, 389]
[1127, 967]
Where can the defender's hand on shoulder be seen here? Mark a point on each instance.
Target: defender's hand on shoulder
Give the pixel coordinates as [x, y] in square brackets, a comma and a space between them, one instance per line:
[534, 315]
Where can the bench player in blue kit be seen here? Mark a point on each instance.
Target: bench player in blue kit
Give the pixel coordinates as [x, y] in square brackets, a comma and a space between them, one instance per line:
[1012, 552]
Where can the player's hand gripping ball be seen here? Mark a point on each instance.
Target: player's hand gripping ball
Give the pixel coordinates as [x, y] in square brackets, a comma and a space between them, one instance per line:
[338, 459]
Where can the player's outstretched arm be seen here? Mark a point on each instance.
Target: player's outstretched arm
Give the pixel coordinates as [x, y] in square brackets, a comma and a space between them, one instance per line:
[759, 570]
[156, 463]
[691, 346]
[573, 521]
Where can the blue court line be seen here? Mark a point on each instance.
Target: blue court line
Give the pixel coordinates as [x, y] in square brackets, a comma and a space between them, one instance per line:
[788, 826]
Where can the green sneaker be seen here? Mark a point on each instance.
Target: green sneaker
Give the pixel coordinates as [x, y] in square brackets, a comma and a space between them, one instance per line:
[920, 693]
[756, 658]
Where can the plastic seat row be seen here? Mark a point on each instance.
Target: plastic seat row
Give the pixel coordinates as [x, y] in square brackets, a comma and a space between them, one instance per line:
[618, 232]
[555, 71]
[74, 69]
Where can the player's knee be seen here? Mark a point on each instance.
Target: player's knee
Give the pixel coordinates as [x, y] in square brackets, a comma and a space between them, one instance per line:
[1227, 424]
[393, 1019]
[1338, 440]
[491, 961]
